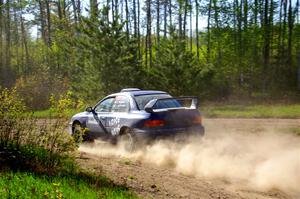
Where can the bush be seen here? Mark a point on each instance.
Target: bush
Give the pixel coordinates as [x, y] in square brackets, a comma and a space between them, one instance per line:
[63, 104]
[28, 143]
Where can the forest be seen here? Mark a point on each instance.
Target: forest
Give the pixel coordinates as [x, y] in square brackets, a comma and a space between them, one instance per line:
[213, 49]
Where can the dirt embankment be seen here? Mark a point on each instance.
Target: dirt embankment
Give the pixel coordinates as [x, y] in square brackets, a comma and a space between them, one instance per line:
[238, 158]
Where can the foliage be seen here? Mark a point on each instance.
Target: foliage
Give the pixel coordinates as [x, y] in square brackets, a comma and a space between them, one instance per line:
[186, 75]
[36, 89]
[240, 48]
[26, 142]
[108, 59]
[64, 104]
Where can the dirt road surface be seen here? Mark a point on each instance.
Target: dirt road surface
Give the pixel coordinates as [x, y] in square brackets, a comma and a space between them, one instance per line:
[238, 158]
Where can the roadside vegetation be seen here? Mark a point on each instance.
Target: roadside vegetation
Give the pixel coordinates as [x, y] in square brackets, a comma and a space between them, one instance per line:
[28, 185]
[252, 111]
[217, 110]
[37, 157]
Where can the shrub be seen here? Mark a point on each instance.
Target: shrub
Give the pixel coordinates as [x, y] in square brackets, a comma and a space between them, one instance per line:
[63, 104]
[26, 142]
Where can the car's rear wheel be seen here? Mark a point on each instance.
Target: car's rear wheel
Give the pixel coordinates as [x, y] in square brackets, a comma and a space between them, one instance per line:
[127, 140]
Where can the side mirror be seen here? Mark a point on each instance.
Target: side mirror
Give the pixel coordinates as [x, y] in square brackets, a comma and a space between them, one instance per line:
[89, 109]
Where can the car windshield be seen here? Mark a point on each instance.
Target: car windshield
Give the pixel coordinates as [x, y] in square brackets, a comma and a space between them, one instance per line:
[142, 100]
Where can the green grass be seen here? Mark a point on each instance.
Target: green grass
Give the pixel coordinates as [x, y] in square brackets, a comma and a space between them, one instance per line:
[226, 111]
[252, 111]
[29, 185]
[48, 114]
[295, 131]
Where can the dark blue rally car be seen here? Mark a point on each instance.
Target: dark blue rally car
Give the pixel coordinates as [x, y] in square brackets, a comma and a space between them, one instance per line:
[134, 115]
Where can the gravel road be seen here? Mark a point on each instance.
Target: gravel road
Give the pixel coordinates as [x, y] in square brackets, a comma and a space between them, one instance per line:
[237, 158]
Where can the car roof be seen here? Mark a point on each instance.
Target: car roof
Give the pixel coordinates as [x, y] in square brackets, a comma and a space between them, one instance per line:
[146, 92]
[135, 92]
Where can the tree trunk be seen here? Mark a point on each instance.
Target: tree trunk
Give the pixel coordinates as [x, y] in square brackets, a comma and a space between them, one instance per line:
[116, 8]
[127, 19]
[157, 24]
[208, 31]
[139, 34]
[24, 41]
[191, 28]
[197, 28]
[180, 19]
[16, 39]
[78, 10]
[113, 10]
[1, 41]
[59, 10]
[271, 20]
[43, 21]
[165, 18]
[266, 35]
[48, 23]
[135, 19]
[217, 30]
[74, 11]
[8, 36]
[170, 14]
[284, 28]
[185, 18]
[148, 36]
[290, 33]
[93, 9]
[279, 50]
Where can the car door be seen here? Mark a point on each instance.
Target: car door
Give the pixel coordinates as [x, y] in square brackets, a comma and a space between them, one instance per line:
[119, 114]
[103, 110]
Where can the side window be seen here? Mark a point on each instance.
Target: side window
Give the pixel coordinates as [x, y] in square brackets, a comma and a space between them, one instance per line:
[105, 106]
[121, 104]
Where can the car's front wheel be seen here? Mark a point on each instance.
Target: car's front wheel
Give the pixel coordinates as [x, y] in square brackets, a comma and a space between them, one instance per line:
[79, 134]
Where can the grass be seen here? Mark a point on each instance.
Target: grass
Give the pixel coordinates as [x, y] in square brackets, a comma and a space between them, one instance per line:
[224, 111]
[29, 185]
[295, 131]
[47, 113]
[252, 111]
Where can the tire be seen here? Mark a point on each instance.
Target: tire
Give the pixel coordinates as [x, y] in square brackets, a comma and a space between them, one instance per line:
[77, 132]
[79, 135]
[128, 140]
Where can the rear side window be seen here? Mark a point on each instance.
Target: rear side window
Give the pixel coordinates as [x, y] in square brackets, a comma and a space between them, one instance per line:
[121, 104]
[142, 100]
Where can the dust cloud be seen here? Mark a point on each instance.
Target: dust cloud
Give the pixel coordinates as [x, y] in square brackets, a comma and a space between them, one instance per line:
[262, 161]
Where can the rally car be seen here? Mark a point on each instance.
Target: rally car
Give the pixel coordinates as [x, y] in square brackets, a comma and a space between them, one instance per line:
[135, 115]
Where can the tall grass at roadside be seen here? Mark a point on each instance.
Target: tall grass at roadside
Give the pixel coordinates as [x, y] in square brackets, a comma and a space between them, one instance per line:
[252, 111]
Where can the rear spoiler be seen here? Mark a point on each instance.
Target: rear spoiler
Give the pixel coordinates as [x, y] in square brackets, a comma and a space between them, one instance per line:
[194, 104]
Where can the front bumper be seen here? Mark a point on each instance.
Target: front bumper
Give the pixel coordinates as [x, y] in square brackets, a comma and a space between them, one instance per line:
[154, 134]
